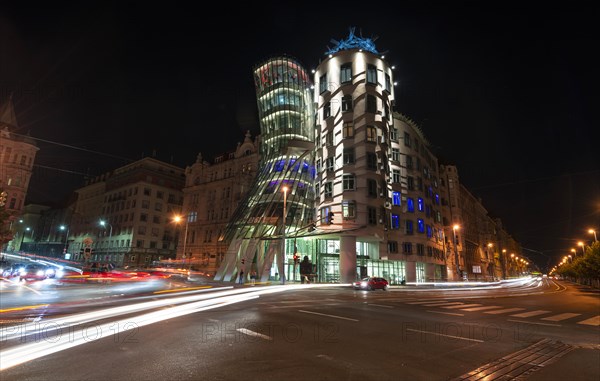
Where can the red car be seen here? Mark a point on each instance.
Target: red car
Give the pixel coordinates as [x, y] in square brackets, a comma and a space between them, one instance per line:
[371, 283]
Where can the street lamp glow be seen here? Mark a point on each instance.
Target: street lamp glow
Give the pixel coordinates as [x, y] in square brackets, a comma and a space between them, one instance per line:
[582, 247]
[592, 231]
[178, 219]
[455, 227]
[63, 228]
[103, 224]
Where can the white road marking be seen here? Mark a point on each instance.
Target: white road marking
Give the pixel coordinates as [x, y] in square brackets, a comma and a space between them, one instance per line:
[333, 316]
[442, 304]
[441, 334]
[504, 311]
[591, 321]
[531, 313]
[479, 308]
[446, 313]
[254, 334]
[380, 305]
[532, 322]
[462, 305]
[560, 317]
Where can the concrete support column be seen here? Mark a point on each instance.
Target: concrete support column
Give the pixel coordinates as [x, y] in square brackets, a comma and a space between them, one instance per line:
[347, 259]
[411, 271]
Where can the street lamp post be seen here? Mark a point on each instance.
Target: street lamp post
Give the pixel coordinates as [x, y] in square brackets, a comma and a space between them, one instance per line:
[63, 227]
[282, 259]
[592, 231]
[582, 247]
[104, 223]
[177, 220]
[454, 229]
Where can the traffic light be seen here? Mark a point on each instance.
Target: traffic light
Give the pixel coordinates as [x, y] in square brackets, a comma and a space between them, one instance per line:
[3, 195]
[296, 258]
[329, 218]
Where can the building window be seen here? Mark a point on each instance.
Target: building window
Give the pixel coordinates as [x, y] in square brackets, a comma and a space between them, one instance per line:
[410, 204]
[326, 110]
[420, 204]
[371, 104]
[406, 247]
[429, 231]
[328, 189]
[348, 181]
[348, 156]
[437, 199]
[371, 134]
[371, 160]
[420, 249]
[388, 82]
[348, 130]
[396, 176]
[372, 188]
[395, 221]
[348, 210]
[371, 215]
[145, 204]
[329, 138]
[395, 154]
[409, 227]
[393, 246]
[324, 214]
[421, 225]
[386, 111]
[317, 190]
[346, 73]
[394, 134]
[407, 139]
[410, 183]
[372, 74]
[323, 83]
[396, 199]
[330, 164]
[347, 103]
[143, 217]
[409, 162]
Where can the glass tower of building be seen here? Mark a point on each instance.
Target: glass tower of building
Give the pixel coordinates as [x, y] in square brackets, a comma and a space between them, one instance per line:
[280, 204]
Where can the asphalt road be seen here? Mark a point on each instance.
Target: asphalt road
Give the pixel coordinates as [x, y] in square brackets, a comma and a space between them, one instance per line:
[310, 332]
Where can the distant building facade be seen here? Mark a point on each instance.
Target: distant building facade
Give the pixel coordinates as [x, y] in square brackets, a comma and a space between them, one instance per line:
[17, 156]
[212, 193]
[126, 216]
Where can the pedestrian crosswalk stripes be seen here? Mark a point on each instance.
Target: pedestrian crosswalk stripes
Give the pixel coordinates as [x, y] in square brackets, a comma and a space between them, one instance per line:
[504, 311]
[591, 321]
[442, 304]
[560, 317]
[498, 310]
[482, 308]
[462, 306]
[531, 313]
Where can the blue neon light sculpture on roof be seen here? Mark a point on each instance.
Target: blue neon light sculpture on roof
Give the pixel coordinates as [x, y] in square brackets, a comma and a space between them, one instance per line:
[353, 42]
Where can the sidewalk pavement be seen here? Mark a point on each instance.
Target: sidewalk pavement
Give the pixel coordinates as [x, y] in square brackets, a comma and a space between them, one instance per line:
[581, 364]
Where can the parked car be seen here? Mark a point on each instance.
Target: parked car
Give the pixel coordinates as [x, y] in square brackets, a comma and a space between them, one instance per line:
[371, 283]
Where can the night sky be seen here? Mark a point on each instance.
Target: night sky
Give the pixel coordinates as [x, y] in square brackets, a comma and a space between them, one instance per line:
[504, 92]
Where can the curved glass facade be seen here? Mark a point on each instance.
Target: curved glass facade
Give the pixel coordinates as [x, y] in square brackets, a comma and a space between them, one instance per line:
[285, 180]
